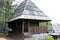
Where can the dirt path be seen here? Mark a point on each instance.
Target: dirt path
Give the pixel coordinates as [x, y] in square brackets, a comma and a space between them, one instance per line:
[10, 38]
[3, 39]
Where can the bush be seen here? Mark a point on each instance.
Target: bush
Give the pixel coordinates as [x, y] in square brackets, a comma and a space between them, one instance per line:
[2, 34]
[49, 37]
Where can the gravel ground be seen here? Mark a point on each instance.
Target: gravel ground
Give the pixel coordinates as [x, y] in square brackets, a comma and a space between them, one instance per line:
[9, 39]
[37, 37]
[33, 37]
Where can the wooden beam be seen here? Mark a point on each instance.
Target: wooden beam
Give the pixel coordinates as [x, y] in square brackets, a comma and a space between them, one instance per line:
[23, 26]
[23, 29]
[38, 27]
[28, 25]
[47, 25]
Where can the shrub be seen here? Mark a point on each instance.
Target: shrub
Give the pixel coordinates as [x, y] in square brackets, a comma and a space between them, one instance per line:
[49, 37]
[2, 34]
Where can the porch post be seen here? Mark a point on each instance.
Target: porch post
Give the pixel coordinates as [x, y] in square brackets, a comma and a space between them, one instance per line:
[38, 27]
[28, 25]
[47, 26]
[23, 29]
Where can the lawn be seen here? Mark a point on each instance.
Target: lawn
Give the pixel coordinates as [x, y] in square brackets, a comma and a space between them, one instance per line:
[2, 34]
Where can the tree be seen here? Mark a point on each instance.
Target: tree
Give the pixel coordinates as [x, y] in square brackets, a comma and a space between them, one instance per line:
[5, 13]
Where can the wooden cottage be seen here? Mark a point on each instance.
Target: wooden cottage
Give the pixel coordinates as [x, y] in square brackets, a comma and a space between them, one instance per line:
[55, 31]
[27, 19]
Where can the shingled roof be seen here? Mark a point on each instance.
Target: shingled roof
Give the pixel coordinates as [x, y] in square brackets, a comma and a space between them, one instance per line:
[28, 10]
[55, 29]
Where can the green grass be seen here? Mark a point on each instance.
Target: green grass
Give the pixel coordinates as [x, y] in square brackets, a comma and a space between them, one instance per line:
[2, 34]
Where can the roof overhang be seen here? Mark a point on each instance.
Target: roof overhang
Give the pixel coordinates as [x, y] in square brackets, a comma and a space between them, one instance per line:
[30, 17]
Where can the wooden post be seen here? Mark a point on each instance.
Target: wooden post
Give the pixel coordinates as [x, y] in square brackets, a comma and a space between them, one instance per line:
[23, 29]
[47, 26]
[38, 27]
[28, 26]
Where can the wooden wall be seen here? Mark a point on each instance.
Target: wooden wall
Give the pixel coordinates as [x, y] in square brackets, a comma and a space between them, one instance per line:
[34, 27]
[43, 29]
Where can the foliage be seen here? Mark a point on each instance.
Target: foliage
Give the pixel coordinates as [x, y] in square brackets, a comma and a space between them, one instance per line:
[6, 10]
[49, 24]
[2, 34]
[45, 24]
[42, 24]
[49, 38]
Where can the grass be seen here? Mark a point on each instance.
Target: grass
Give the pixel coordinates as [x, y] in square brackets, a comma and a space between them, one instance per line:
[2, 34]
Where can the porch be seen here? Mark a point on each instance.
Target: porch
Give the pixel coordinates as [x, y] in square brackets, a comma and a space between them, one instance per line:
[26, 27]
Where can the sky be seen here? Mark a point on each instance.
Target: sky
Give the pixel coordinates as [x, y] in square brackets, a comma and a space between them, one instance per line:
[50, 7]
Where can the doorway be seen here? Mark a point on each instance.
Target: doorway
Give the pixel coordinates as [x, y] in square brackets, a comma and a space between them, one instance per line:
[26, 26]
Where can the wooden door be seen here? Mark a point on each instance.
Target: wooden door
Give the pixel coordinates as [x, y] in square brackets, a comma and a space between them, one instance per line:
[26, 26]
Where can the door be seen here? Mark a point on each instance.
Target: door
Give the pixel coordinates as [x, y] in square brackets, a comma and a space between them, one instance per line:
[26, 26]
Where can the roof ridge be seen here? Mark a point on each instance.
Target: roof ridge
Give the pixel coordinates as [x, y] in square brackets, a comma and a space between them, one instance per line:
[25, 4]
[27, 0]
